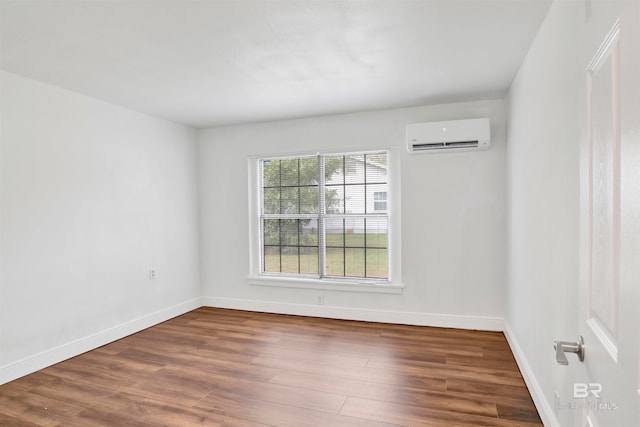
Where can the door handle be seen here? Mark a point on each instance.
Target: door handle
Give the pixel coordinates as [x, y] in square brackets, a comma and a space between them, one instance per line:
[563, 347]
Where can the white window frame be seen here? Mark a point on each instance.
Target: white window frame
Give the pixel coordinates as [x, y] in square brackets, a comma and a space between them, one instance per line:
[391, 285]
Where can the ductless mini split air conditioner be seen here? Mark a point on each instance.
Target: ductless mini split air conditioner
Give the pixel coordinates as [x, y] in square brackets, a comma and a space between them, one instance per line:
[449, 136]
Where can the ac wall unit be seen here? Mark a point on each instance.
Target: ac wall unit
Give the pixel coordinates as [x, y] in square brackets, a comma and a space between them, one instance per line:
[449, 136]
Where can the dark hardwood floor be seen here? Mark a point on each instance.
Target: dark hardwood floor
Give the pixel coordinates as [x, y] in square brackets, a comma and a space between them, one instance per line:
[217, 367]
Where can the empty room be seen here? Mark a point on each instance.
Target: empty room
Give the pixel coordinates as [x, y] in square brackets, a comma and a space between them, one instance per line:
[320, 213]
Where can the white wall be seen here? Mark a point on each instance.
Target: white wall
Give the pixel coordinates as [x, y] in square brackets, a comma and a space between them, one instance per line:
[93, 196]
[453, 217]
[544, 107]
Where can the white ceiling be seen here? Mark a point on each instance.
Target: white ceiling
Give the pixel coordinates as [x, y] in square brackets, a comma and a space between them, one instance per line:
[207, 63]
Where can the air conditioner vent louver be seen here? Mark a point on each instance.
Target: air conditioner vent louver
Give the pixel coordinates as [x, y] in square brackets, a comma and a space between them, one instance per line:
[445, 145]
[433, 146]
[453, 136]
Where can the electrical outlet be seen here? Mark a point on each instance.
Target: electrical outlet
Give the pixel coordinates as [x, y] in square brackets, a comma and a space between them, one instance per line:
[152, 274]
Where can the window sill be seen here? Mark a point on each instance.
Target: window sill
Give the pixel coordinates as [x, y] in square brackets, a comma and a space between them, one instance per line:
[327, 285]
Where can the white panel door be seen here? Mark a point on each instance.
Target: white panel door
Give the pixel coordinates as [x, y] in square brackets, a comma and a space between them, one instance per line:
[605, 392]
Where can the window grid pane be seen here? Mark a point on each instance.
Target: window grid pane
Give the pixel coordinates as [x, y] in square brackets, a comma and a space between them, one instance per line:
[290, 245]
[339, 239]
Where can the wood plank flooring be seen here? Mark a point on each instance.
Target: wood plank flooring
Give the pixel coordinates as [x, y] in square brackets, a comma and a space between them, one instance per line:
[214, 367]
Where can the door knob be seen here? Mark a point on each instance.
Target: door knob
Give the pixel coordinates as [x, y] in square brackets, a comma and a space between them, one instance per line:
[563, 347]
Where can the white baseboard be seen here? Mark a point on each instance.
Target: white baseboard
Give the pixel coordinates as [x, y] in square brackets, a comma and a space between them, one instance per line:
[400, 317]
[55, 355]
[543, 406]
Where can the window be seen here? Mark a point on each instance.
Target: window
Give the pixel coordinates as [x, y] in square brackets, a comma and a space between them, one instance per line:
[325, 216]
[380, 201]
